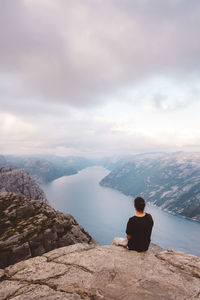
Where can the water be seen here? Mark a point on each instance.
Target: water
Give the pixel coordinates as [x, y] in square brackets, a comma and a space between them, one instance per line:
[104, 212]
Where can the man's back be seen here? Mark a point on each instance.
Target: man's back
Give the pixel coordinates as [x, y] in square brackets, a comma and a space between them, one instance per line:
[139, 228]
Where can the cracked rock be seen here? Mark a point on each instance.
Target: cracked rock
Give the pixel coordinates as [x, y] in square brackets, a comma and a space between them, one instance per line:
[93, 272]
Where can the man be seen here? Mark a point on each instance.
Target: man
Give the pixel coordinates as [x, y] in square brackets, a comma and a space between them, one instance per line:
[139, 228]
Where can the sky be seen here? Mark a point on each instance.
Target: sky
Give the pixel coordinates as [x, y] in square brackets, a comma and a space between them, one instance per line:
[99, 77]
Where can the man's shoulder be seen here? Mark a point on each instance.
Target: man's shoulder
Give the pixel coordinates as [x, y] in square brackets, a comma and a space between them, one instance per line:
[131, 219]
[149, 217]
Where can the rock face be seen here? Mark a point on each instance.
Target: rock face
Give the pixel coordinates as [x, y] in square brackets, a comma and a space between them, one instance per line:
[92, 272]
[170, 181]
[29, 228]
[15, 180]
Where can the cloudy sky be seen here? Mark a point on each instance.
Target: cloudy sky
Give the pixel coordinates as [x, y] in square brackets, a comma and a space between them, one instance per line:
[99, 77]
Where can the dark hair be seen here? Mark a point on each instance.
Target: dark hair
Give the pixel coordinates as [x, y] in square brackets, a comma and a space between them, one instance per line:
[139, 204]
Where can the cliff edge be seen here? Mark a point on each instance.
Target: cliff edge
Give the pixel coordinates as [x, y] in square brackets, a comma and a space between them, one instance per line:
[93, 272]
[30, 228]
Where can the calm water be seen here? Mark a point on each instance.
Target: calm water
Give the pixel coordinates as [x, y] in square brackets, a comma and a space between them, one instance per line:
[104, 212]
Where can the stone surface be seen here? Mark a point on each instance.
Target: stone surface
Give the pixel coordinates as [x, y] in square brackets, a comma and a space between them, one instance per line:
[189, 263]
[15, 180]
[93, 272]
[29, 228]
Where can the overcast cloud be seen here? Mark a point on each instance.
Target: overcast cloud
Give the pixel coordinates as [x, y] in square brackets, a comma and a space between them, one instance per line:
[99, 77]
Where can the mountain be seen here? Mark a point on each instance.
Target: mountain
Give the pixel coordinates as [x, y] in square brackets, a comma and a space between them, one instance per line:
[170, 181]
[76, 162]
[111, 163]
[40, 169]
[3, 161]
[16, 180]
[30, 228]
[46, 168]
[92, 272]
[80, 163]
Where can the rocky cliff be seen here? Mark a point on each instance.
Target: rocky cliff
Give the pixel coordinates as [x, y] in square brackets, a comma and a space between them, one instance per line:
[30, 227]
[13, 179]
[94, 272]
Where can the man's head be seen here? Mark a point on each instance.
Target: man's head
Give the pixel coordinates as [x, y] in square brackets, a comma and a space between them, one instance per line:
[139, 204]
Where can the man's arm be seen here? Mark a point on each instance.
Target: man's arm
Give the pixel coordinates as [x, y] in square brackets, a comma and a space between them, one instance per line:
[128, 236]
[128, 230]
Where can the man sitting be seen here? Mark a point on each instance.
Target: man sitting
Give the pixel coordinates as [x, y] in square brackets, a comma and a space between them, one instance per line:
[139, 228]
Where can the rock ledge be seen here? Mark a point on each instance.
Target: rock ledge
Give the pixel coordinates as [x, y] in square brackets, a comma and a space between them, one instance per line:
[94, 272]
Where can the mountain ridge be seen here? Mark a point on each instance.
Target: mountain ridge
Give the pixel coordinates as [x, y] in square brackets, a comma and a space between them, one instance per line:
[170, 181]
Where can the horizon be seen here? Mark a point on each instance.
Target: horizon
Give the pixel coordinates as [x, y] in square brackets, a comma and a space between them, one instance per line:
[99, 78]
[116, 157]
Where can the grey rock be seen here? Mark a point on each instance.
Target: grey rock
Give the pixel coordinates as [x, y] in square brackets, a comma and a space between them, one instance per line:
[29, 228]
[189, 263]
[84, 271]
[15, 180]
[23, 291]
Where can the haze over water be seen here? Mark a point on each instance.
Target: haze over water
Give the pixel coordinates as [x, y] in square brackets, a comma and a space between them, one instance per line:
[104, 212]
